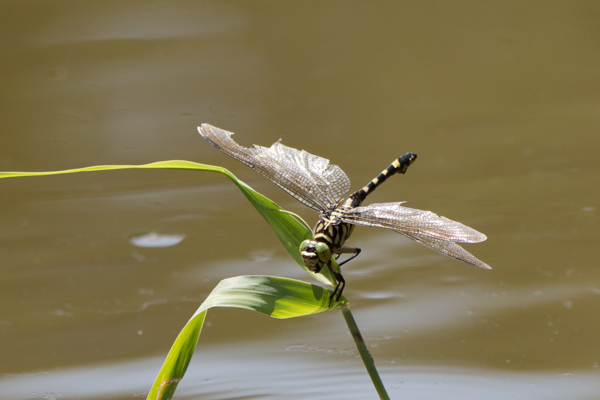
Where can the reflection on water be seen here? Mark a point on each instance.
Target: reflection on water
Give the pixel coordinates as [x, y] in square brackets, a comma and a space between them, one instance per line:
[156, 239]
[500, 101]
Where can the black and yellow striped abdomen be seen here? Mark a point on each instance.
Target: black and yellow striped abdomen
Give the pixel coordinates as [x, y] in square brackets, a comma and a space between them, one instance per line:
[400, 165]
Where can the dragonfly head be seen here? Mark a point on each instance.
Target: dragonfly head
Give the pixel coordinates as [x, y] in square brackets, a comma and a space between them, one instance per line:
[315, 254]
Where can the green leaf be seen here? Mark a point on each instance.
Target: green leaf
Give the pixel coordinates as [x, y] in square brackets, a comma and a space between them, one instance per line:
[175, 164]
[273, 296]
[287, 228]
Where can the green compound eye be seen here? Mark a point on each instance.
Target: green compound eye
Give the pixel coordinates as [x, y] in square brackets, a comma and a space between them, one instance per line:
[304, 245]
[323, 251]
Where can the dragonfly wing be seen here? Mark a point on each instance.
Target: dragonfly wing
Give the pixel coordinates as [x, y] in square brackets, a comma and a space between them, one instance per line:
[448, 249]
[412, 222]
[310, 179]
[436, 232]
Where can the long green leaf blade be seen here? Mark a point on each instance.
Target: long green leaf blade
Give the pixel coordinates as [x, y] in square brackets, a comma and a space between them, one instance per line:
[273, 296]
[174, 164]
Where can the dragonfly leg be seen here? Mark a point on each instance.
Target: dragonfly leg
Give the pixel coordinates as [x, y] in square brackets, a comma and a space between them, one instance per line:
[341, 284]
[346, 250]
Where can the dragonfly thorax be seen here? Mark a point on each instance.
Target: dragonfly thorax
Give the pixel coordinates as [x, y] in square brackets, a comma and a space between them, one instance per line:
[329, 236]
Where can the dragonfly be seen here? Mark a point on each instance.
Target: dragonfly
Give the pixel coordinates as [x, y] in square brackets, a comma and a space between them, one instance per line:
[320, 185]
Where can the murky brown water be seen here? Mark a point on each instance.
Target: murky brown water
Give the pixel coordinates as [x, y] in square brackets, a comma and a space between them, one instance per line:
[501, 101]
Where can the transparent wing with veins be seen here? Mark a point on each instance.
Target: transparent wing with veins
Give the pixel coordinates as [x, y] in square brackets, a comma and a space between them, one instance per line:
[310, 179]
[436, 232]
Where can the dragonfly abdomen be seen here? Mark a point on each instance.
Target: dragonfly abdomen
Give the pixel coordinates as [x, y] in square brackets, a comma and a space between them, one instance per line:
[400, 165]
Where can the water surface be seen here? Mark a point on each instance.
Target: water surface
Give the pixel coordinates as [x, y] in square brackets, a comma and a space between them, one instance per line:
[501, 101]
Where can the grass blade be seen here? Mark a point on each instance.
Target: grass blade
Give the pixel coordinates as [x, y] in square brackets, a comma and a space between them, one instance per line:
[273, 296]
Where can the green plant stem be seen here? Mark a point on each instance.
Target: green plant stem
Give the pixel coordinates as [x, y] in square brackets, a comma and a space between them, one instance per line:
[364, 353]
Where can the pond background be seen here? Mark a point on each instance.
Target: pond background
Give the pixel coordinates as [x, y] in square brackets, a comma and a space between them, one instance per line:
[500, 100]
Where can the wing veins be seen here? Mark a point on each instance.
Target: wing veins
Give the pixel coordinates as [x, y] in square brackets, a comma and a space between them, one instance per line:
[310, 179]
[448, 249]
[412, 222]
[424, 227]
